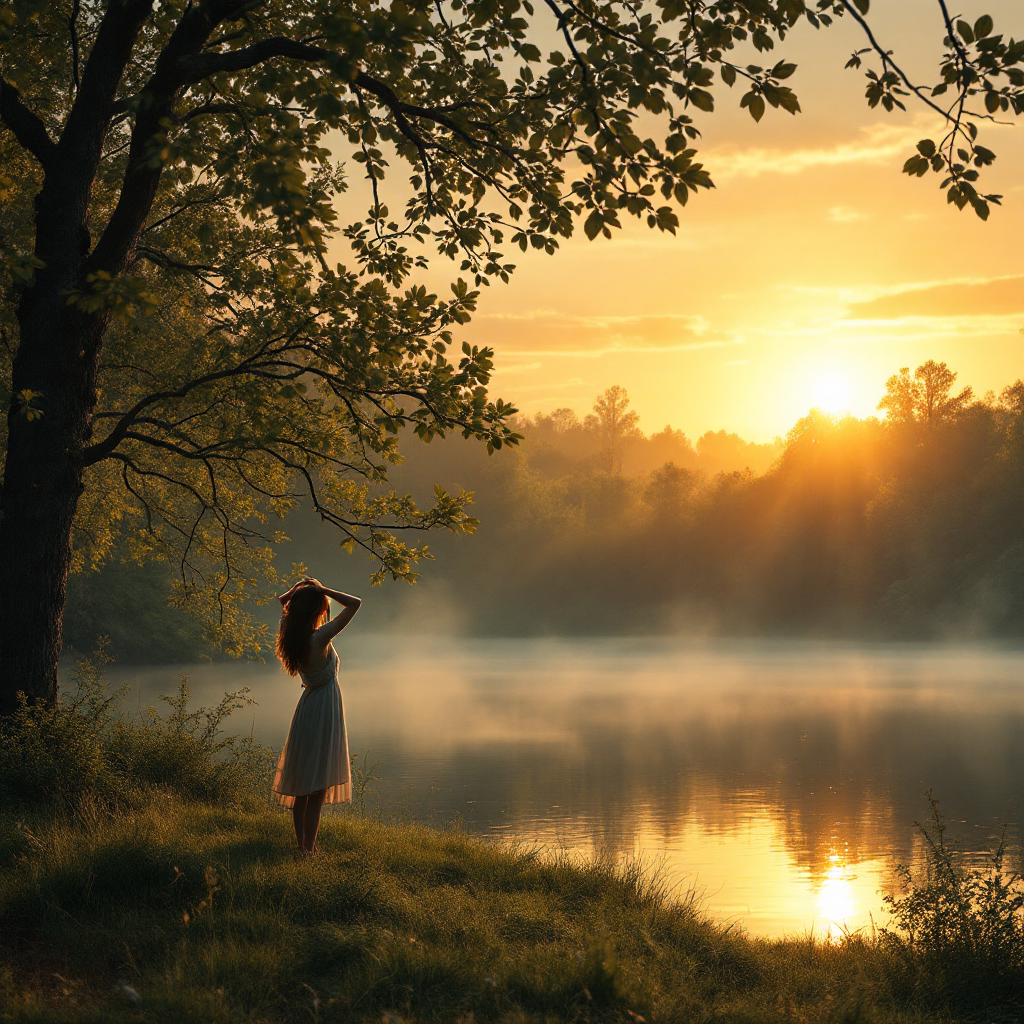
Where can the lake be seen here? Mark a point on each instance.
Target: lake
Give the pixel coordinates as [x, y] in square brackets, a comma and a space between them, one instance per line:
[780, 780]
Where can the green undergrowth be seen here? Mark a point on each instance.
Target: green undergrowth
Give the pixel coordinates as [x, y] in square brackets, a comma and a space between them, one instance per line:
[84, 747]
[152, 880]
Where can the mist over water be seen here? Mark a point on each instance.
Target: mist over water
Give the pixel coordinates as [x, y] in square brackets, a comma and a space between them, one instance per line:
[782, 780]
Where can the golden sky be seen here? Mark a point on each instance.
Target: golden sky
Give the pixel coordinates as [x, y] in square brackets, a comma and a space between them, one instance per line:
[810, 274]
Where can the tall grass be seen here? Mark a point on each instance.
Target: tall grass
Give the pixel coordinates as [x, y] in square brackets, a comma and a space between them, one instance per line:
[207, 915]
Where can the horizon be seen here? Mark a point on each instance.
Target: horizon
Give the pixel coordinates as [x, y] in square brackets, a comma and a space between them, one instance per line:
[837, 413]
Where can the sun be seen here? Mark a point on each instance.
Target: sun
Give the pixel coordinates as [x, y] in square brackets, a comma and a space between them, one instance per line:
[832, 391]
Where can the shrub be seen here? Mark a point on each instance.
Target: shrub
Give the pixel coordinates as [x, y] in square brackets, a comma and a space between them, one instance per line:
[958, 931]
[82, 747]
[186, 751]
[53, 754]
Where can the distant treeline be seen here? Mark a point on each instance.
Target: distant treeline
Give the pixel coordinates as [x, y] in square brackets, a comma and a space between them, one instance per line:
[907, 526]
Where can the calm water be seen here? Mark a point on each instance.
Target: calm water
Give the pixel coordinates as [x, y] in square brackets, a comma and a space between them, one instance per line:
[781, 780]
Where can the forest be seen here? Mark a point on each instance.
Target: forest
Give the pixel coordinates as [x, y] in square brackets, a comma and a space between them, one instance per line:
[907, 525]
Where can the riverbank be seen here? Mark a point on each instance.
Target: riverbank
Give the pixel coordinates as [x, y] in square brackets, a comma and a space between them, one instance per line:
[179, 910]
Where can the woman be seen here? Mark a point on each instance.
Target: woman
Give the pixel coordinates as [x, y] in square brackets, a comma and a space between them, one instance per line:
[314, 766]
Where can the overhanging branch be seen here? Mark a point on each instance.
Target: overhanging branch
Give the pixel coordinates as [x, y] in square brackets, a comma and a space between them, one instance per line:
[26, 125]
[197, 66]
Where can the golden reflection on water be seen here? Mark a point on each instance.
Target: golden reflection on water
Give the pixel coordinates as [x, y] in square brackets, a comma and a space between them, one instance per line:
[747, 876]
[837, 897]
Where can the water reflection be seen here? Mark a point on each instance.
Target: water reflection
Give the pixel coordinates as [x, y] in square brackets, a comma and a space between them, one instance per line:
[780, 780]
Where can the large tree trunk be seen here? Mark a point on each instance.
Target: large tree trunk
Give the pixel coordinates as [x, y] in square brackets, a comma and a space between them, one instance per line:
[59, 346]
[56, 360]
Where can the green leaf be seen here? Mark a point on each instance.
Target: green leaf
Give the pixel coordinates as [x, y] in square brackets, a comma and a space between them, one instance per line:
[965, 31]
[755, 104]
[916, 165]
[926, 148]
[862, 5]
[786, 99]
[983, 26]
[593, 225]
[728, 73]
[701, 99]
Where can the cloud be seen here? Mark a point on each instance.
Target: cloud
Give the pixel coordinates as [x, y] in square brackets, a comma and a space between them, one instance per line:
[545, 332]
[844, 215]
[995, 297]
[879, 144]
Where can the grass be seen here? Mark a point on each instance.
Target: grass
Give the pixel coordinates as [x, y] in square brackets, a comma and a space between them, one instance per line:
[206, 914]
[156, 883]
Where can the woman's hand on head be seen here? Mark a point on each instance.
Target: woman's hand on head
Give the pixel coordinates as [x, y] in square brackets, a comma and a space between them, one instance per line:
[301, 585]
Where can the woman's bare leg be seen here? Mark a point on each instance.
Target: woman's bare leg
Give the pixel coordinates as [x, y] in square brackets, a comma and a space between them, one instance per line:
[298, 819]
[311, 819]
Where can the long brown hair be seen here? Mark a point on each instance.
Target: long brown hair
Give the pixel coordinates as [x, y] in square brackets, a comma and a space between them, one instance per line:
[301, 615]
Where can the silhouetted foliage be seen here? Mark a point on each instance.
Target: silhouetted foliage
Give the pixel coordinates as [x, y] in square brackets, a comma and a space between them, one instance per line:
[957, 935]
[83, 748]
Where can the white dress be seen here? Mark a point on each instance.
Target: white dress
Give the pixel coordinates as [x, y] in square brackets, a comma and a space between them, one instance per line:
[315, 755]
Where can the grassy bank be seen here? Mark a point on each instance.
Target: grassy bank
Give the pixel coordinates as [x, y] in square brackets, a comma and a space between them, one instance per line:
[144, 877]
[207, 914]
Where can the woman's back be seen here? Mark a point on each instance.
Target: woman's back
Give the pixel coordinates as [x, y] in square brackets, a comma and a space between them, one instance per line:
[326, 673]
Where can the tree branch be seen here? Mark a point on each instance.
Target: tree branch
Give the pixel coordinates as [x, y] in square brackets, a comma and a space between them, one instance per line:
[102, 449]
[197, 66]
[27, 126]
[888, 62]
[142, 175]
[86, 126]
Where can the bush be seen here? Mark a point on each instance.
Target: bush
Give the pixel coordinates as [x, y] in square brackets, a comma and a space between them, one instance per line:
[958, 932]
[82, 747]
[186, 752]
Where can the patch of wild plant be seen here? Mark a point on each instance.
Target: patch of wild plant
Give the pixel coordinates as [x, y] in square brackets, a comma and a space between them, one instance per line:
[82, 746]
[957, 935]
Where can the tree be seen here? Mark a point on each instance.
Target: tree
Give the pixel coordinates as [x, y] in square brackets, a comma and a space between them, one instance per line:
[615, 422]
[668, 490]
[184, 359]
[902, 397]
[924, 398]
[937, 402]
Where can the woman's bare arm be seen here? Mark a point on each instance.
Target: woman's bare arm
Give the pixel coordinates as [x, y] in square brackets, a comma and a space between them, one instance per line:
[348, 600]
[330, 629]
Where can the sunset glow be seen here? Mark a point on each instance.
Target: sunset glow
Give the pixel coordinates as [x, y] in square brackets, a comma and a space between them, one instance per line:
[810, 274]
[831, 392]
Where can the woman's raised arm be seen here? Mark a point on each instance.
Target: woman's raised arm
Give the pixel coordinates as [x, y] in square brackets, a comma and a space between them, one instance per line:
[349, 606]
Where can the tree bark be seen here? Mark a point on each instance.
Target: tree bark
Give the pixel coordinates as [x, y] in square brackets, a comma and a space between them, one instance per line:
[57, 361]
